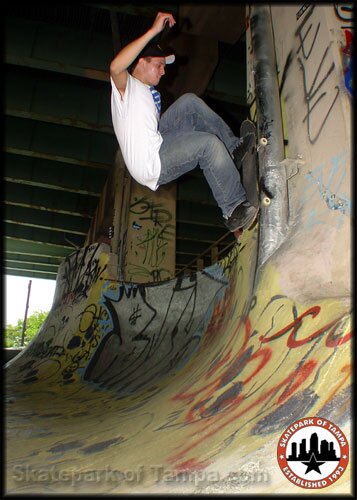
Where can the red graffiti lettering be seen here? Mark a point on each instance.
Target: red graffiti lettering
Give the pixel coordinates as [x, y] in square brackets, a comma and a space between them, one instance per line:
[295, 326]
[337, 340]
[301, 374]
[191, 465]
[298, 376]
[265, 354]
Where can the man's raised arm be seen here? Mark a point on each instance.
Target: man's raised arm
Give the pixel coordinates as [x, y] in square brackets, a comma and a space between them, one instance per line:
[128, 54]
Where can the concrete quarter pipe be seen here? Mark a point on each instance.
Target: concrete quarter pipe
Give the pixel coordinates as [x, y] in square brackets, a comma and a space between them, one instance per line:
[181, 387]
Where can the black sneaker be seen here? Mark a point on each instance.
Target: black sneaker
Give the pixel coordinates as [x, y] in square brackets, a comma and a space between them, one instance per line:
[242, 149]
[242, 217]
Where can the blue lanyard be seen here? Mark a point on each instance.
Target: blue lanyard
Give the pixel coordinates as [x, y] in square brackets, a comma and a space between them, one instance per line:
[157, 98]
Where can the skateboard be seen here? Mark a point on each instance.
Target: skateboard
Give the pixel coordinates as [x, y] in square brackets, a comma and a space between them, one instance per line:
[249, 168]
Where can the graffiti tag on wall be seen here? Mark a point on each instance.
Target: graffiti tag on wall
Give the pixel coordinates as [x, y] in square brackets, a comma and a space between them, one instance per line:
[344, 13]
[151, 238]
[317, 77]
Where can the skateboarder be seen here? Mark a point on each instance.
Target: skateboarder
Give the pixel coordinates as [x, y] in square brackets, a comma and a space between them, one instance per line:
[158, 148]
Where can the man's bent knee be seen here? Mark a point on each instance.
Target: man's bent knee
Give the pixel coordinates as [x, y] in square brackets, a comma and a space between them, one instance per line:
[188, 98]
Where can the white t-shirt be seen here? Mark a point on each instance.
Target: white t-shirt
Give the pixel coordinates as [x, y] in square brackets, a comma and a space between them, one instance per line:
[135, 121]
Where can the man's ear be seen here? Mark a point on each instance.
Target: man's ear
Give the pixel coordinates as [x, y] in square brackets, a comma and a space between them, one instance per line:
[139, 63]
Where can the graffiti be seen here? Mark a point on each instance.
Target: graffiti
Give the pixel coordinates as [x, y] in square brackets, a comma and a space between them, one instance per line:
[329, 329]
[302, 10]
[44, 350]
[154, 275]
[149, 210]
[81, 269]
[347, 60]
[153, 245]
[238, 385]
[157, 337]
[98, 333]
[149, 250]
[326, 180]
[316, 76]
[257, 361]
[135, 315]
[315, 59]
[126, 290]
[344, 13]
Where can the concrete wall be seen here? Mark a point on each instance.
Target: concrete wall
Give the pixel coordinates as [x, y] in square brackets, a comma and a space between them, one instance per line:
[139, 225]
[312, 51]
[151, 237]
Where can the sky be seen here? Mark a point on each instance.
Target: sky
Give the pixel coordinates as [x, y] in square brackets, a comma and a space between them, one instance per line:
[16, 290]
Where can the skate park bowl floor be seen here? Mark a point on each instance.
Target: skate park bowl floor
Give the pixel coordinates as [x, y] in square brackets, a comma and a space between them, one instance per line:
[183, 386]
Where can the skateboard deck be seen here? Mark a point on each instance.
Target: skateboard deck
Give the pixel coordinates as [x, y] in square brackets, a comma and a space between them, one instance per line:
[249, 168]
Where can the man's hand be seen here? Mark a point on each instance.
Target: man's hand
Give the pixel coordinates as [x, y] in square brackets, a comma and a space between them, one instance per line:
[119, 65]
[162, 18]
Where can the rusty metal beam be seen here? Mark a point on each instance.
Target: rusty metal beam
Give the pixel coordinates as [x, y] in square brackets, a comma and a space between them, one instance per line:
[50, 221]
[59, 143]
[39, 236]
[43, 244]
[29, 262]
[17, 246]
[42, 226]
[46, 209]
[32, 259]
[52, 157]
[30, 62]
[46, 200]
[17, 180]
[31, 272]
[57, 120]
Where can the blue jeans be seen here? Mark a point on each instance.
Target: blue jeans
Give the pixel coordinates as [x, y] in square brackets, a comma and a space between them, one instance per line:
[194, 134]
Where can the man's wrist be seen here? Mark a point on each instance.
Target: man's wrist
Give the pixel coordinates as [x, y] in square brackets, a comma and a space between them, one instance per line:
[151, 33]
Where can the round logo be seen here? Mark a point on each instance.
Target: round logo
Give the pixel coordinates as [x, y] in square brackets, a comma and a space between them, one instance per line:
[313, 453]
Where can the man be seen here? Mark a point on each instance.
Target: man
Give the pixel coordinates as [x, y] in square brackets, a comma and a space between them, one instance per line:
[158, 149]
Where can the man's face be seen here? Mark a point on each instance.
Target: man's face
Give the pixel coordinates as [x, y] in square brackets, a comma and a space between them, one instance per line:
[153, 69]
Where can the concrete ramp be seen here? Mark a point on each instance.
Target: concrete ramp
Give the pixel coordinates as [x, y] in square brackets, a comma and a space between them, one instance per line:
[180, 387]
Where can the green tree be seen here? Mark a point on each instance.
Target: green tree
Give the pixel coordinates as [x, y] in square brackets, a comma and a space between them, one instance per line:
[13, 333]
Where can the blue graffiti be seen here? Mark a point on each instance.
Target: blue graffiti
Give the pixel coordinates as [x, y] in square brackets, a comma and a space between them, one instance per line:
[330, 190]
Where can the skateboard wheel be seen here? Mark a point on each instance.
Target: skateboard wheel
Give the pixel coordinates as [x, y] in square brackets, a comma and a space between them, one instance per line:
[266, 201]
[263, 141]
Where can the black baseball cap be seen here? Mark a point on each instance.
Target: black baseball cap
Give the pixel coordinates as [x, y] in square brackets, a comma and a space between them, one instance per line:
[154, 50]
